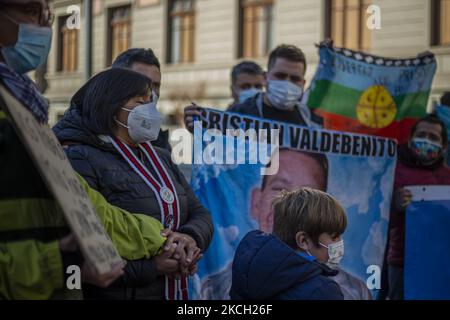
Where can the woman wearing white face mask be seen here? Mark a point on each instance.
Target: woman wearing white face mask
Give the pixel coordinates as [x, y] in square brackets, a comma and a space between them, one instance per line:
[107, 133]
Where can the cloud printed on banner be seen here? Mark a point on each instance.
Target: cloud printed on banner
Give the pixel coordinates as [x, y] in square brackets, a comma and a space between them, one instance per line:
[257, 155]
[204, 172]
[386, 191]
[373, 248]
[358, 180]
[229, 234]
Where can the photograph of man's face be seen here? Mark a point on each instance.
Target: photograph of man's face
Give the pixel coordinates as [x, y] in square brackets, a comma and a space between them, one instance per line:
[296, 169]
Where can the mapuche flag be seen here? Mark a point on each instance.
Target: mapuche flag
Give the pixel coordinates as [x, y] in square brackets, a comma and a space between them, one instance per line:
[362, 93]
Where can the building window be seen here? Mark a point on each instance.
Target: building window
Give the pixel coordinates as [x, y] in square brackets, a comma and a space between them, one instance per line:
[441, 22]
[67, 47]
[346, 21]
[255, 28]
[181, 31]
[119, 38]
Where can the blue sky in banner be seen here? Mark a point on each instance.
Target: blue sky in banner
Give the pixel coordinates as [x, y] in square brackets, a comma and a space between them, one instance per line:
[363, 185]
[364, 188]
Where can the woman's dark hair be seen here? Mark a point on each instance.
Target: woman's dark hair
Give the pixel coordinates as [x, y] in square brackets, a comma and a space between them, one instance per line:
[99, 100]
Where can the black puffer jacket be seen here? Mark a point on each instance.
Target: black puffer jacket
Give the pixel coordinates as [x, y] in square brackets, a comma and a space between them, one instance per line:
[106, 171]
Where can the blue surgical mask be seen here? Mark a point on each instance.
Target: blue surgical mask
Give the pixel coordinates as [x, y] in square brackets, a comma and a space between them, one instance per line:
[248, 93]
[283, 94]
[31, 49]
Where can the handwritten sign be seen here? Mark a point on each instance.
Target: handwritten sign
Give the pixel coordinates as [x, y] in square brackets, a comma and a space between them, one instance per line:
[55, 169]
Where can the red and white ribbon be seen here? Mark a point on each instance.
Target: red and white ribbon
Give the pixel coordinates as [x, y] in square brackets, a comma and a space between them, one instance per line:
[167, 198]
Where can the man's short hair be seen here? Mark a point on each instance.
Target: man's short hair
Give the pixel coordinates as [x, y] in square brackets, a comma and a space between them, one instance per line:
[445, 99]
[288, 52]
[311, 211]
[431, 118]
[320, 158]
[127, 58]
[248, 67]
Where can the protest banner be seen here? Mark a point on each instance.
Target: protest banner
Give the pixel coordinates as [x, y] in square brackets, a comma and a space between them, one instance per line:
[357, 169]
[54, 167]
[426, 271]
[358, 92]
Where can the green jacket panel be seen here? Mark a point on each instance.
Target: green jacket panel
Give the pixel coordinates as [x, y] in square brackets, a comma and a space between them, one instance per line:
[32, 270]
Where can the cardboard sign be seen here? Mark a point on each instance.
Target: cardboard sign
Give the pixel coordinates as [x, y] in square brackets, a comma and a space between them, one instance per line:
[55, 169]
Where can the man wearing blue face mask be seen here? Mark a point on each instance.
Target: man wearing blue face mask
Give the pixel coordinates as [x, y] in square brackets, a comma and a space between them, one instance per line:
[285, 83]
[247, 80]
[27, 45]
[282, 101]
[420, 162]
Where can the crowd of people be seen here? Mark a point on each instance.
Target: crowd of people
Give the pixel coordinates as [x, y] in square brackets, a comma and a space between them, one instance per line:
[112, 136]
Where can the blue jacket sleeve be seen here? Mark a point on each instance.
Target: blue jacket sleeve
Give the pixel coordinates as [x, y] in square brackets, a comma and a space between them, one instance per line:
[329, 290]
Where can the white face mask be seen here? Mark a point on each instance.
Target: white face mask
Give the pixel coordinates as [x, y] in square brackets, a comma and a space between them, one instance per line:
[248, 93]
[283, 94]
[335, 253]
[144, 122]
